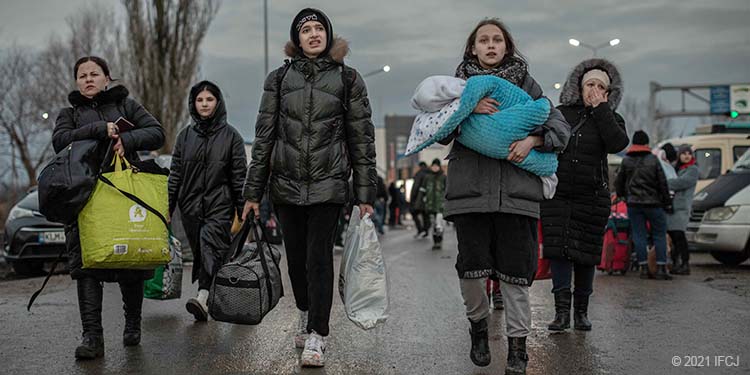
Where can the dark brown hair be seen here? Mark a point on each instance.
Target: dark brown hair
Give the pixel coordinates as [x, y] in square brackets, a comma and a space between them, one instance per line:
[510, 45]
[96, 60]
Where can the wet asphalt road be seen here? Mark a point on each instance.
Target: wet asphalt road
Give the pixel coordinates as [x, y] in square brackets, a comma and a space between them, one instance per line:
[639, 326]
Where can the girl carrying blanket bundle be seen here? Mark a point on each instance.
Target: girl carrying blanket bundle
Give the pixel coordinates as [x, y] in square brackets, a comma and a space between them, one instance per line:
[447, 103]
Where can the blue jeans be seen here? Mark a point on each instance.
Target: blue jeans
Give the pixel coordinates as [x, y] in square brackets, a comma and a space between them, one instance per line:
[562, 272]
[658, 219]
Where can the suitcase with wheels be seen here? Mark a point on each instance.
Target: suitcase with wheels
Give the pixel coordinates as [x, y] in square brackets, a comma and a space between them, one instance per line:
[616, 246]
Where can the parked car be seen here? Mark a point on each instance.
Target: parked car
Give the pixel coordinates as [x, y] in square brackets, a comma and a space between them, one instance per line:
[30, 239]
[720, 219]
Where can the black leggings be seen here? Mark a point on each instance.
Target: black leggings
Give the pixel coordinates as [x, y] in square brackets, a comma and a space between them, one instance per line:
[679, 246]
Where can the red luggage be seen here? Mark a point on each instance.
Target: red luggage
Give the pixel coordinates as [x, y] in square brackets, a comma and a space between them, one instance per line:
[543, 270]
[616, 246]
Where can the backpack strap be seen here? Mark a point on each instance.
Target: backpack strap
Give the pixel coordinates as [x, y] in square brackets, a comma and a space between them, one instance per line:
[348, 82]
[280, 73]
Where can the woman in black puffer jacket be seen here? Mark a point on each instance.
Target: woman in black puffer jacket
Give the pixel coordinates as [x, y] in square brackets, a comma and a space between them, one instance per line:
[573, 222]
[313, 131]
[205, 182]
[92, 113]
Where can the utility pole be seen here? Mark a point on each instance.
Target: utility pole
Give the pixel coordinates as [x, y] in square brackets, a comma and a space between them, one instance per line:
[265, 34]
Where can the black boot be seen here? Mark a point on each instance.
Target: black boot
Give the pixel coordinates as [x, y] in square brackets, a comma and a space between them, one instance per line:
[683, 270]
[562, 311]
[90, 306]
[91, 347]
[661, 273]
[580, 313]
[480, 343]
[517, 357]
[132, 298]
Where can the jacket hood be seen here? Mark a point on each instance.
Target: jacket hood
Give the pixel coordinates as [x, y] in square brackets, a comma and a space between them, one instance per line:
[113, 95]
[337, 52]
[571, 91]
[219, 118]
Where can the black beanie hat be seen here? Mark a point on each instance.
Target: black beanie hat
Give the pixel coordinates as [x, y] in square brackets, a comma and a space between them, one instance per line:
[669, 151]
[640, 138]
[436, 161]
[311, 14]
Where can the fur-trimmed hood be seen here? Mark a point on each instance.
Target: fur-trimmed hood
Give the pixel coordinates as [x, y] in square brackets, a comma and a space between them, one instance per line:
[571, 91]
[112, 95]
[337, 52]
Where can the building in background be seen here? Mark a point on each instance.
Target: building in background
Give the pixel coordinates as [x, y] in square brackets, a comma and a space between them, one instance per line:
[401, 168]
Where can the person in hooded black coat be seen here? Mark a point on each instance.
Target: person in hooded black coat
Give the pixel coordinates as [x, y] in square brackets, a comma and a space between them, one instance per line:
[573, 222]
[94, 108]
[206, 180]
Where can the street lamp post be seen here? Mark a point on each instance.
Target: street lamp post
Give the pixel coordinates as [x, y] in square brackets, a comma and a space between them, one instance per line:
[384, 69]
[265, 35]
[594, 49]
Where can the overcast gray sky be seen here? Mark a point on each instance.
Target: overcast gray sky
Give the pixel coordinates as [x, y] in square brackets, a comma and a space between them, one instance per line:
[668, 41]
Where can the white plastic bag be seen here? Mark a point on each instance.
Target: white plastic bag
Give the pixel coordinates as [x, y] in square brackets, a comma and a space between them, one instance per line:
[362, 277]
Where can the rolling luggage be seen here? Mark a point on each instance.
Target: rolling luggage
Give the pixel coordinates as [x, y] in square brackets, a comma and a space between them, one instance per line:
[616, 247]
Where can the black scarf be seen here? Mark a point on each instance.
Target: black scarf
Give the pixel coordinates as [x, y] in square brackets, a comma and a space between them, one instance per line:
[512, 69]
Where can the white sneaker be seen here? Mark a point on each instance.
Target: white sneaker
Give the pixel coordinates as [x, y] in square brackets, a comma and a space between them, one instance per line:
[315, 347]
[300, 335]
[198, 306]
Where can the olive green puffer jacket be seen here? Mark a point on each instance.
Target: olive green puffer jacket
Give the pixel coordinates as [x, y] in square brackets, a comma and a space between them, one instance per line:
[308, 157]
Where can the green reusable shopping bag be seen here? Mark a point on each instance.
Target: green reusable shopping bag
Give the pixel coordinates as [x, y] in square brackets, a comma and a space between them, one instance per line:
[167, 281]
[123, 224]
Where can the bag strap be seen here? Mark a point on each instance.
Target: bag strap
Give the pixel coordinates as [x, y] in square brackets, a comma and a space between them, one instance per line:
[239, 243]
[263, 261]
[578, 126]
[136, 200]
[46, 279]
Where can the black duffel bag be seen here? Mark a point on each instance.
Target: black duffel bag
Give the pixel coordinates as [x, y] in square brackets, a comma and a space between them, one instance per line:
[66, 183]
[248, 285]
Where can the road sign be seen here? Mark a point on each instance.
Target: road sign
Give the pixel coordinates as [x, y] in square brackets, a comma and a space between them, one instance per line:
[720, 100]
[740, 98]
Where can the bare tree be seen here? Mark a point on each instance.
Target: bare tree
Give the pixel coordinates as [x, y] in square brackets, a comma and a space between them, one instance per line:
[92, 30]
[36, 85]
[635, 113]
[163, 37]
[22, 126]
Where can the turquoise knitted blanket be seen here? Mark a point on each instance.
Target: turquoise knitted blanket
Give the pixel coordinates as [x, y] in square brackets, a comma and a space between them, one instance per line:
[492, 135]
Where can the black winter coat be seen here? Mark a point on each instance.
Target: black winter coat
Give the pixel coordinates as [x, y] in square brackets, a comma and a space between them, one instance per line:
[207, 174]
[641, 180]
[310, 154]
[87, 119]
[573, 222]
